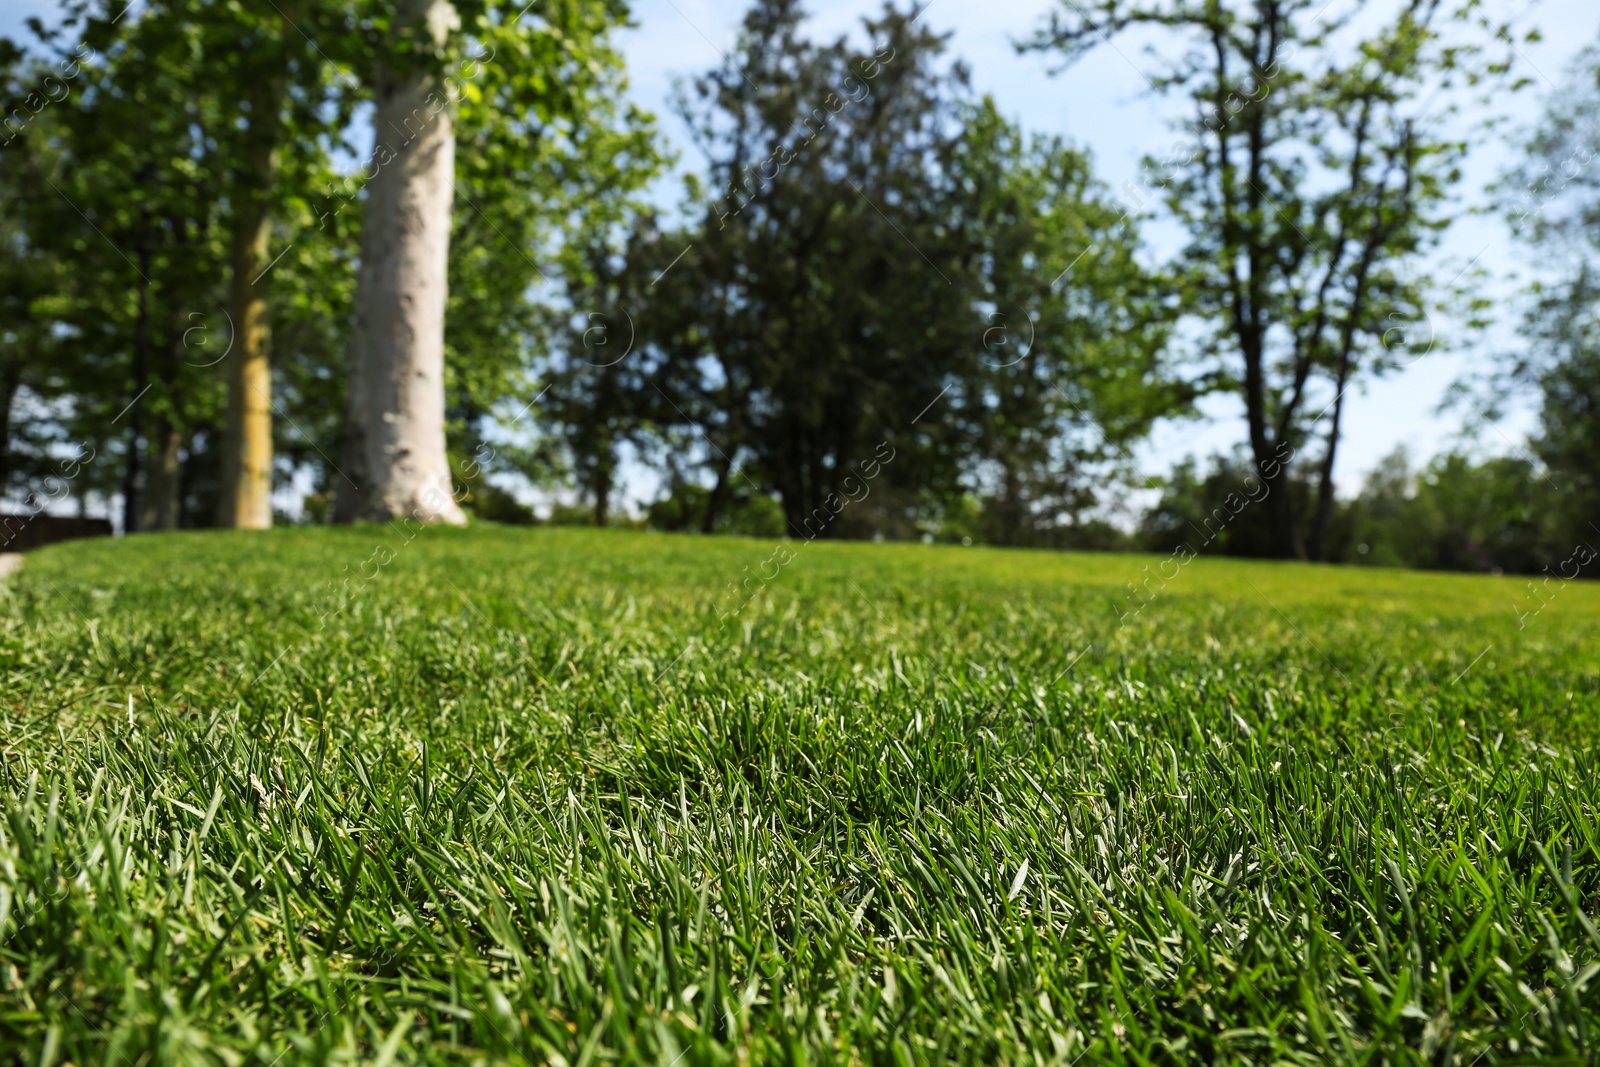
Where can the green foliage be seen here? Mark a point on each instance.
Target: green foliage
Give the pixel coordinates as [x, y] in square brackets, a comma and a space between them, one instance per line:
[1503, 514]
[874, 264]
[686, 506]
[1314, 168]
[1071, 367]
[1553, 201]
[1552, 196]
[539, 796]
[1500, 514]
[135, 178]
[1564, 327]
[1224, 511]
[493, 504]
[119, 196]
[548, 157]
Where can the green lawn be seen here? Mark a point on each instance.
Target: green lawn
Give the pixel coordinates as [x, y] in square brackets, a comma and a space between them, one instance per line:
[522, 796]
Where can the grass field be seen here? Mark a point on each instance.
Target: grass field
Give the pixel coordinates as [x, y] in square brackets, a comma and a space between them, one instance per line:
[528, 796]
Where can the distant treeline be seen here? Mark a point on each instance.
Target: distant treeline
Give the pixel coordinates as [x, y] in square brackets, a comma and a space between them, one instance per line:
[878, 309]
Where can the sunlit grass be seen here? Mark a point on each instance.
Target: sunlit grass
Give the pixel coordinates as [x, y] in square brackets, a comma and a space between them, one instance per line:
[542, 796]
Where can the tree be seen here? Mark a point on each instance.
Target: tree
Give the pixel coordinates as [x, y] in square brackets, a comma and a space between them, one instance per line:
[1564, 324]
[563, 190]
[394, 415]
[828, 252]
[1071, 368]
[1312, 172]
[1221, 512]
[601, 389]
[815, 330]
[542, 75]
[127, 191]
[32, 273]
[1457, 514]
[274, 92]
[1553, 202]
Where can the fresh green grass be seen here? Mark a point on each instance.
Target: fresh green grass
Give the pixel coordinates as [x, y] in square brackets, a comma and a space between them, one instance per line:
[523, 798]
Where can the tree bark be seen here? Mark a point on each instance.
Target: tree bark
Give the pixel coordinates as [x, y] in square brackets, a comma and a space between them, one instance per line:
[396, 384]
[10, 382]
[163, 498]
[131, 507]
[716, 498]
[1323, 523]
[246, 502]
[602, 498]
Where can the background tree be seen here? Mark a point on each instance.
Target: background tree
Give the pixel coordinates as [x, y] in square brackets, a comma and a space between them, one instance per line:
[557, 182]
[1552, 199]
[1070, 369]
[601, 382]
[821, 240]
[394, 409]
[34, 277]
[861, 224]
[1564, 326]
[541, 72]
[133, 195]
[279, 98]
[1313, 170]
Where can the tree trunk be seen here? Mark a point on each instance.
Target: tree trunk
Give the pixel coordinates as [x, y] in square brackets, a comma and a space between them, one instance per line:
[10, 382]
[603, 476]
[716, 498]
[396, 383]
[131, 508]
[1322, 524]
[1266, 451]
[1323, 521]
[246, 502]
[1281, 516]
[163, 498]
[1011, 505]
[352, 470]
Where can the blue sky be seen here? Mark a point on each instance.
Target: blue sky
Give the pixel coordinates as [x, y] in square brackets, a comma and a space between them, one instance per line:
[1103, 104]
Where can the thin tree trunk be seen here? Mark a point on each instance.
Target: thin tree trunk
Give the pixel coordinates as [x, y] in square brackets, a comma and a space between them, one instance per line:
[348, 495]
[602, 497]
[131, 507]
[1248, 327]
[1322, 524]
[604, 473]
[1011, 505]
[163, 498]
[246, 502]
[10, 382]
[1265, 450]
[397, 351]
[1285, 523]
[716, 498]
[164, 442]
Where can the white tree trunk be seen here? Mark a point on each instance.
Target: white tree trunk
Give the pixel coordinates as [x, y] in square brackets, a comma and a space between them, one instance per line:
[395, 437]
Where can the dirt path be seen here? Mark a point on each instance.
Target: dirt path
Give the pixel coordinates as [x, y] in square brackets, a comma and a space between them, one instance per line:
[9, 562]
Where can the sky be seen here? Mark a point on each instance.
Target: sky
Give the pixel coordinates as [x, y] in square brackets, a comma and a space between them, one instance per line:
[1104, 104]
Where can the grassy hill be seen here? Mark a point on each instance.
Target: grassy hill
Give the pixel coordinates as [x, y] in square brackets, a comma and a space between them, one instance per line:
[561, 796]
